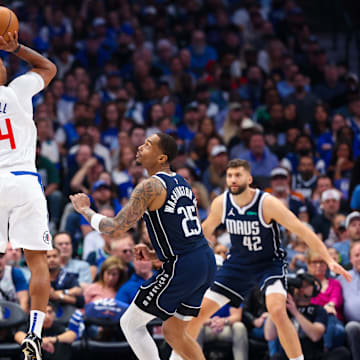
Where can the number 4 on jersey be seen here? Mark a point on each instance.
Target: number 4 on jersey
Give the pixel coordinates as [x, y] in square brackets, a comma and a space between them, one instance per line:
[9, 136]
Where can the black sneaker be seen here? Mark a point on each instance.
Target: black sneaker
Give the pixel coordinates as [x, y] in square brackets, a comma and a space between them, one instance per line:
[31, 347]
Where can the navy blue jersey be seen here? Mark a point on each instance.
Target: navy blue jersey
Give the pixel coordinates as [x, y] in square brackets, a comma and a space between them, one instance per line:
[175, 228]
[252, 240]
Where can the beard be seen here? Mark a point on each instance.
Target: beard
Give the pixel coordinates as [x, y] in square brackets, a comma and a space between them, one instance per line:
[240, 189]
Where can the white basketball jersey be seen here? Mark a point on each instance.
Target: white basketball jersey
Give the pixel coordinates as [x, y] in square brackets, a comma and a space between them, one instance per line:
[17, 129]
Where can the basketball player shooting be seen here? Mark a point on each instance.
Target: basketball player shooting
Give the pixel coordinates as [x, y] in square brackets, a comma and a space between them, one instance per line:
[23, 212]
[169, 208]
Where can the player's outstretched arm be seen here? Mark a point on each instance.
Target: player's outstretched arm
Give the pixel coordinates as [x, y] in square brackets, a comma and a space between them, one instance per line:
[274, 209]
[214, 218]
[141, 198]
[40, 64]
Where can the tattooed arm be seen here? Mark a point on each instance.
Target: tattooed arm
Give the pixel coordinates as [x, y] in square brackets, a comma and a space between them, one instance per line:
[141, 198]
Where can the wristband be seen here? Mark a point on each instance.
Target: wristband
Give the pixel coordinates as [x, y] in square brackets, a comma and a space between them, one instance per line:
[95, 221]
[61, 296]
[66, 291]
[17, 49]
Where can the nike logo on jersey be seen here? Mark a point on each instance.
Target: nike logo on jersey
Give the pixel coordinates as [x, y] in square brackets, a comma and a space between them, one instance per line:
[231, 212]
[176, 180]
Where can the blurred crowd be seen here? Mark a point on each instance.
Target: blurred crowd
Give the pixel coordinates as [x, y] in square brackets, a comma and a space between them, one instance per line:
[228, 79]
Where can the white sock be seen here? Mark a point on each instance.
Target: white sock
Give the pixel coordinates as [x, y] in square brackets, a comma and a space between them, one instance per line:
[36, 322]
[175, 356]
[301, 357]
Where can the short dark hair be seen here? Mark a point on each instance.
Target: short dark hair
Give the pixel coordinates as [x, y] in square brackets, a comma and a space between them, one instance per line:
[168, 145]
[235, 163]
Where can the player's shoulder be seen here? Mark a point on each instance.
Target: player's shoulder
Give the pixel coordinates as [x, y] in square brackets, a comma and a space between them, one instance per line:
[219, 200]
[269, 199]
[150, 187]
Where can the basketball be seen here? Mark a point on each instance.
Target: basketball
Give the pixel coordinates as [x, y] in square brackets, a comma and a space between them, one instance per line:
[8, 22]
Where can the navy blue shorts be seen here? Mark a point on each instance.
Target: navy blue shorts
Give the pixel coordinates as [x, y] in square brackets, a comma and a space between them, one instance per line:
[235, 280]
[180, 285]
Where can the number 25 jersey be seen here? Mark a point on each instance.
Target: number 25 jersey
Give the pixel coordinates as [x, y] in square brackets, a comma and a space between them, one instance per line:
[252, 240]
[175, 228]
[17, 129]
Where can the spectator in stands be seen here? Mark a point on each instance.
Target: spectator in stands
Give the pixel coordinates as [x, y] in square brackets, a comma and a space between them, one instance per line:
[98, 256]
[94, 240]
[305, 180]
[112, 275]
[330, 297]
[226, 325]
[123, 248]
[214, 175]
[48, 145]
[312, 320]
[232, 124]
[280, 188]
[341, 165]
[99, 150]
[303, 146]
[137, 135]
[261, 159]
[328, 139]
[190, 125]
[62, 241]
[338, 230]
[65, 287]
[200, 52]
[143, 272]
[332, 91]
[296, 253]
[323, 183]
[351, 234]
[252, 91]
[14, 258]
[330, 204]
[79, 169]
[240, 141]
[51, 181]
[338, 238]
[304, 100]
[351, 293]
[120, 174]
[13, 286]
[56, 339]
[320, 123]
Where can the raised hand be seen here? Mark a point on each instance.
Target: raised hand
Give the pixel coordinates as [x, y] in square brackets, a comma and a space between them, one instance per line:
[10, 45]
[80, 201]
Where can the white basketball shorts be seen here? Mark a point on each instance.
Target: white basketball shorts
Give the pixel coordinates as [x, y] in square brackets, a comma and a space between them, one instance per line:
[23, 212]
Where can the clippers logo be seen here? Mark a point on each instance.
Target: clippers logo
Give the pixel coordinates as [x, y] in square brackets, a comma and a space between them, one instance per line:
[46, 238]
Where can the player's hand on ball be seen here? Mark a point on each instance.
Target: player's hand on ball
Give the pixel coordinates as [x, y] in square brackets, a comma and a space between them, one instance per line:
[81, 202]
[10, 45]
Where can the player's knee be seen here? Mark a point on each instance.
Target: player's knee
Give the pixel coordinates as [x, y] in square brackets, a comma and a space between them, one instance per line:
[171, 334]
[278, 312]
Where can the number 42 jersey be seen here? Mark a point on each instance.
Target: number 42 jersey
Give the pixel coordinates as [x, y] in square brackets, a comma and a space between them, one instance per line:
[17, 129]
[175, 228]
[252, 240]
